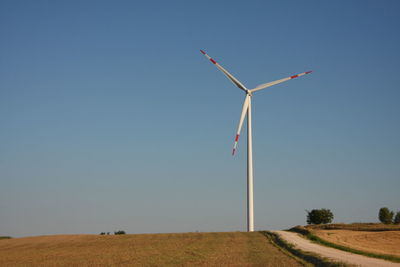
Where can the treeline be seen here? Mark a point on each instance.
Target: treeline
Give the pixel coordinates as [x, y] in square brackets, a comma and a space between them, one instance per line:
[324, 216]
[387, 216]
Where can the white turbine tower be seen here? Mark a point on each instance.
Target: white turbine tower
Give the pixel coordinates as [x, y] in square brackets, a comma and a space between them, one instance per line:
[246, 110]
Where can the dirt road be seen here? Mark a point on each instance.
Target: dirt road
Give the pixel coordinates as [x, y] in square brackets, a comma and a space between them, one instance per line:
[334, 254]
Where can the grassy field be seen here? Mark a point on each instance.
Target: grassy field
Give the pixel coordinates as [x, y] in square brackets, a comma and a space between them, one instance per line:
[370, 227]
[387, 242]
[189, 249]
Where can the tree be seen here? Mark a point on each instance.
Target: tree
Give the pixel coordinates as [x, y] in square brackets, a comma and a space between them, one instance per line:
[396, 219]
[319, 216]
[385, 215]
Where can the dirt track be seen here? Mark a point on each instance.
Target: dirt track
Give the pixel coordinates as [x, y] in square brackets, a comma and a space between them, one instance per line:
[334, 254]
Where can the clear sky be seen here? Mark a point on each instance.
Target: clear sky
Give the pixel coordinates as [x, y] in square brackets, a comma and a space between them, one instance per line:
[111, 118]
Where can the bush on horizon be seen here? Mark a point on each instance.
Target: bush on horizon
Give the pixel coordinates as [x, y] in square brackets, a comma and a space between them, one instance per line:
[120, 232]
[396, 219]
[319, 216]
[386, 215]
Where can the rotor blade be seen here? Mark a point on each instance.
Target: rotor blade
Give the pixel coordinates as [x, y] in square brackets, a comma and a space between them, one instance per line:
[265, 85]
[244, 112]
[227, 74]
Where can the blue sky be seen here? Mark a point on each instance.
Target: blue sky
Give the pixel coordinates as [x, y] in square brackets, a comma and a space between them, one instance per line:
[111, 118]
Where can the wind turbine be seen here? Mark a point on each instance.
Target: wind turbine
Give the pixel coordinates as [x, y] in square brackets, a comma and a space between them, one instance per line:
[246, 110]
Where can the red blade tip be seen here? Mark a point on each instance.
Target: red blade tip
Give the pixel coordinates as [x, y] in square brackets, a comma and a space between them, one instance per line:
[233, 152]
[202, 52]
[309, 72]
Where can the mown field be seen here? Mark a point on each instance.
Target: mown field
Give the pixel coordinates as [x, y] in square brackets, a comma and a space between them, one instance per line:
[369, 239]
[186, 249]
[384, 242]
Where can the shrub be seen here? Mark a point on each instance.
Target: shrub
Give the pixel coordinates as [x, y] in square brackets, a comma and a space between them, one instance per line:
[102, 233]
[319, 216]
[385, 215]
[396, 219]
[120, 232]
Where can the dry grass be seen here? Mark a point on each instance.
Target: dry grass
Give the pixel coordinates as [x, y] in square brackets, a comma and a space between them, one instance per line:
[189, 249]
[386, 242]
[371, 227]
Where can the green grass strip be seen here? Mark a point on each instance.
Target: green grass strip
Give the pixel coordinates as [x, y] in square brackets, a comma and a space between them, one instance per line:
[369, 227]
[309, 235]
[311, 258]
[5, 237]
